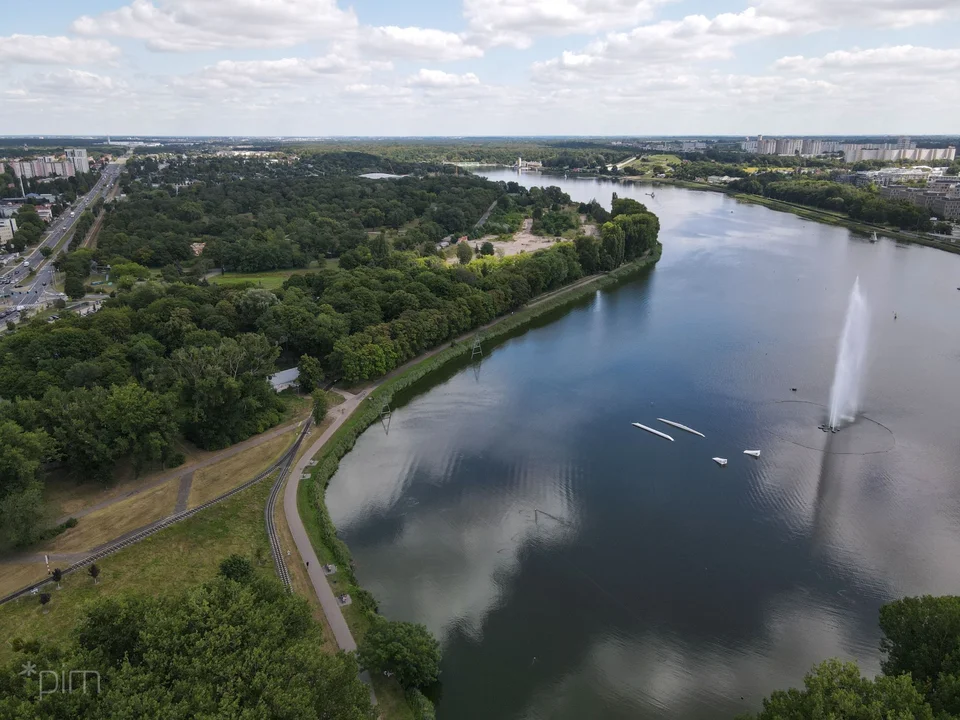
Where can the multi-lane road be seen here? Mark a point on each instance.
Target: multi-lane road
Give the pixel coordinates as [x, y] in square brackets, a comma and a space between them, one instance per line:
[26, 293]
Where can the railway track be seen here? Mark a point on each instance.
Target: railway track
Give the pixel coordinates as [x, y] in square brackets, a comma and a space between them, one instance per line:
[283, 464]
[286, 463]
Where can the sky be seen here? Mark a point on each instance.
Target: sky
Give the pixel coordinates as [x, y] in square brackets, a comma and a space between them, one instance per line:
[480, 67]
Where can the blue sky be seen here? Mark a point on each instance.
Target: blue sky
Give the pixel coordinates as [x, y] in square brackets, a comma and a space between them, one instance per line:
[481, 67]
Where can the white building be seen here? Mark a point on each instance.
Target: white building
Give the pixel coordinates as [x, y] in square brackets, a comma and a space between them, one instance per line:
[284, 379]
[8, 226]
[78, 156]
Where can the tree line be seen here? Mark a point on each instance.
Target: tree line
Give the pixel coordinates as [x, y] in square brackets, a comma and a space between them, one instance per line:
[859, 203]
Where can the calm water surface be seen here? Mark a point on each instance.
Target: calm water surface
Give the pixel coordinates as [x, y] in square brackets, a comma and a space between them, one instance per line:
[575, 567]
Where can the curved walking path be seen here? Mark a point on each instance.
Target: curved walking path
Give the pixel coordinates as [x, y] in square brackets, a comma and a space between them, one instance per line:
[341, 632]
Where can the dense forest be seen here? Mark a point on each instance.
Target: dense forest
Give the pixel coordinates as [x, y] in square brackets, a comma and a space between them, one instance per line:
[920, 676]
[179, 357]
[859, 203]
[261, 223]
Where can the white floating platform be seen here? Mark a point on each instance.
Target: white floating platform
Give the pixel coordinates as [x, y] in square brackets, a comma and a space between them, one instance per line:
[722, 462]
[752, 453]
[651, 430]
[682, 427]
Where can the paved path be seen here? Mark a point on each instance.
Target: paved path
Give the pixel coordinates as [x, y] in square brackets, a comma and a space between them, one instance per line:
[341, 632]
[183, 492]
[180, 472]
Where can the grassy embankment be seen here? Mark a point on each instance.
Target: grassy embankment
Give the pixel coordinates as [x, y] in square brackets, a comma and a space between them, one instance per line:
[171, 561]
[310, 499]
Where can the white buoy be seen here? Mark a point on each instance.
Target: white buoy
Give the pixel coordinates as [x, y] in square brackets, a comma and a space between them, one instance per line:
[752, 453]
[651, 430]
[682, 427]
[722, 462]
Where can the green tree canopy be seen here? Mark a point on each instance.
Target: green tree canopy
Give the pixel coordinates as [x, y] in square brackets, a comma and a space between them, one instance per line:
[226, 649]
[406, 649]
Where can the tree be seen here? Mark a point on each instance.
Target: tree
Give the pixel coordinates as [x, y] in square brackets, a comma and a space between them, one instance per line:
[922, 638]
[612, 240]
[405, 649]
[57, 576]
[46, 251]
[237, 568]
[44, 599]
[311, 374]
[60, 303]
[487, 248]
[94, 571]
[74, 288]
[835, 689]
[464, 252]
[319, 406]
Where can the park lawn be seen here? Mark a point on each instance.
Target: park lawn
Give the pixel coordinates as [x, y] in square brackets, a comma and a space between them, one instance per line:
[268, 280]
[176, 558]
[111, 522]
[212, 482]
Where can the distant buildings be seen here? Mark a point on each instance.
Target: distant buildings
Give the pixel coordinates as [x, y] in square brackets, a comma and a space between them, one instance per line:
[75, 161]
[8, 226]
[893, 152]
[903, 149]
[940, 194]
[78, 156]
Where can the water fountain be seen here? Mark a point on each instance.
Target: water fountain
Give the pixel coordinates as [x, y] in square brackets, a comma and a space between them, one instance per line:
[851, 361]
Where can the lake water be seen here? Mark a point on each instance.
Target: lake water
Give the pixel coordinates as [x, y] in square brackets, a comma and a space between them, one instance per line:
[576, 567]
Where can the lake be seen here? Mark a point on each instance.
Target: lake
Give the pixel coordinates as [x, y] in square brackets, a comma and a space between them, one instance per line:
[573, 566]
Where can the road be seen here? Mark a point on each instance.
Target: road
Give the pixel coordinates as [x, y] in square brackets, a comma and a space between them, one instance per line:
[30, 293]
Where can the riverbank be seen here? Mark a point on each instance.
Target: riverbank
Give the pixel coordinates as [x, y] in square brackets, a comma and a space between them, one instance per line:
[809, 213]
[311, 504]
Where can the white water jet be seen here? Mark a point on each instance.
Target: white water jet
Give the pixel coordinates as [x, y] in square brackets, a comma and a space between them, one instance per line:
[851, 360]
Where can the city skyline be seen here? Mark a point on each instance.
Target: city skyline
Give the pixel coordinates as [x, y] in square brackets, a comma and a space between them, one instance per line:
[620, 67]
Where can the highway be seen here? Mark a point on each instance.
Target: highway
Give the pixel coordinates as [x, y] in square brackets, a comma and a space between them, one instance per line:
[27, 294]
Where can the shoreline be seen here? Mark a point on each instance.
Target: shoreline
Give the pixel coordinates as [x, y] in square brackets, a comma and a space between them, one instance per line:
[309, 494]
[803, 211]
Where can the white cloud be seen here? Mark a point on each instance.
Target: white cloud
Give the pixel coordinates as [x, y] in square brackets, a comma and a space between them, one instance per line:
[417, 43]
[513, 22]
[232, 75]
[672, 43]
[186, 25]
[46, 50]
[900, 59]
[439, 79]
[811, 15]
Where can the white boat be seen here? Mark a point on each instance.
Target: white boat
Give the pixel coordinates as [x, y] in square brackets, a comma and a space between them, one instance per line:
[682, 427]
[722, 462]
[651, 430]
[874, 238]
[752, 453]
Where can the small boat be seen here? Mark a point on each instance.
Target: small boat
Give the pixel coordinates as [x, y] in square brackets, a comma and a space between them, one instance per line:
[651, 430]
[874, 238]
[722, 462]
[752, 453]
[682, 427]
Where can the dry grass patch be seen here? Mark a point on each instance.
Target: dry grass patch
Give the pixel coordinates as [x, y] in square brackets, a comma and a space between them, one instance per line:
[14, 577]
[102, 526]
[213, 481]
